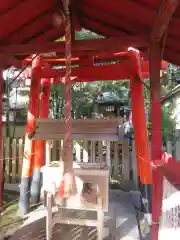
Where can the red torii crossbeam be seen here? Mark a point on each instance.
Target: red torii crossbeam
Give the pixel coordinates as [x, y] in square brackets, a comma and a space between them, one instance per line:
[95, 73]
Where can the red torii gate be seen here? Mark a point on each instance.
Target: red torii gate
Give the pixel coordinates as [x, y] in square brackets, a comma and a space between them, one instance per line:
[132, 67]
[123, 70]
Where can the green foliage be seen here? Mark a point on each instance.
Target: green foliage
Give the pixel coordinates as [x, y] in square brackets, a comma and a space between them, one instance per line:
[168, 123]
[83, 96]
[82, 35]
[86, 34]
[174, 73]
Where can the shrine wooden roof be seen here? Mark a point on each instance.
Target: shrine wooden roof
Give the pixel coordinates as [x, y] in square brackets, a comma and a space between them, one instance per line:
[134, 22]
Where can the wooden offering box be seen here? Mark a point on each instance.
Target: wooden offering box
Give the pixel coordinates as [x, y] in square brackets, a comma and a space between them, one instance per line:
[92, 182]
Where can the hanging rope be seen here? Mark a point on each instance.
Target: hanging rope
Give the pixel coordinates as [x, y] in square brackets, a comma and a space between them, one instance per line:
[69, 181]
[68, 134]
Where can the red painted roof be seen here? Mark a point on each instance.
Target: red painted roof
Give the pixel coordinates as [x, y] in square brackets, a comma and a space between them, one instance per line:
[32, 21]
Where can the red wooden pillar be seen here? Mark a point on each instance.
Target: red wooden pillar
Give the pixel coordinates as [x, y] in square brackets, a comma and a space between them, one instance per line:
[139, 120]
[1, 156]
[29, 148]
[40, 144]
[141, 132]
[156, 139]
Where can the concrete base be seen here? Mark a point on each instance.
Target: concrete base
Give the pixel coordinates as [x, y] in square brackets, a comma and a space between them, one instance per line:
[36, 186]
[24, 201]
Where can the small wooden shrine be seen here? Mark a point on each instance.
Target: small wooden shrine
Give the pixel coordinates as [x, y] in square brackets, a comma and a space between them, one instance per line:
[112, 104]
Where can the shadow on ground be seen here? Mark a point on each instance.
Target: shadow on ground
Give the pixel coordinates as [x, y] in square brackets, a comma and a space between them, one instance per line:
[36, 230]
[120, 223]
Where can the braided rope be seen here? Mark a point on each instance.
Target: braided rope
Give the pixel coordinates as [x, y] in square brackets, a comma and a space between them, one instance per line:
[68, 186]
[68, 132]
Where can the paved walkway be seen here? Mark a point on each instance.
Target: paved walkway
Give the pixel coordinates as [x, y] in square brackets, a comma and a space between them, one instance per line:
[120, 223]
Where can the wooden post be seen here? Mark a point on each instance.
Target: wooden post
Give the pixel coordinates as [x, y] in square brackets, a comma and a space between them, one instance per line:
[14, 159]
[116, 161]
[78, 151]
[100, 152]
[85, 152]
[39, 160]
[48, 216]
[156, 139]
[93, 151]
[7, 162]
[29, 147]
[20, 154]
[134, 166]
[100, 217]
[177, 145]
[126, 163]
[48, 152]
[1, 156]
[108, 154]
[169, 147]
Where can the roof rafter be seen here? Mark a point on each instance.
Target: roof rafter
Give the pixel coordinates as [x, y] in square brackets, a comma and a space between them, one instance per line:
[6, 61]
[119, 21]
[105, 44]
[172, 56]
[20, 16]
[105, 29]
[163, 18]
[127, 8]
[28, 29]
[47, 36]
[5, 6]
